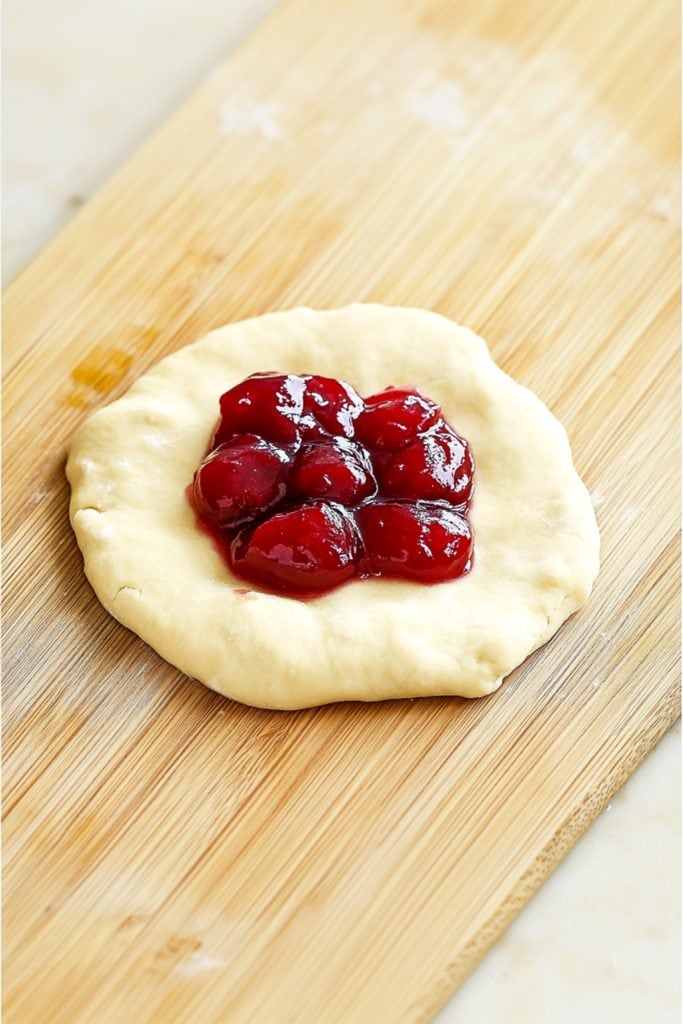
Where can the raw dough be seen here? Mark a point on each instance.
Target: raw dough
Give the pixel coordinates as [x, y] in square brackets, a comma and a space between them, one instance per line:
[536, 538]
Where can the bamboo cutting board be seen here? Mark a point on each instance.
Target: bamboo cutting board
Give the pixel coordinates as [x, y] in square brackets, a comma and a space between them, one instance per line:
[173, 857]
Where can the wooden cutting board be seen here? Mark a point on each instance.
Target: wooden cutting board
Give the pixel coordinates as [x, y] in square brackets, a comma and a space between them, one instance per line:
[171, 856]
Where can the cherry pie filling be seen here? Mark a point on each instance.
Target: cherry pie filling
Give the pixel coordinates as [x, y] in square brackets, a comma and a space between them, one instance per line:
[307, 485]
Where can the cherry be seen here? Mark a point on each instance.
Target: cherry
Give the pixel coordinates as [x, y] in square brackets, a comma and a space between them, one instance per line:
[420, 541]
[330, 408]
[337, 470]
[394, 417]
[307, 485]
[310, 548]
[269, 404]
[241, 479]
[436, 464]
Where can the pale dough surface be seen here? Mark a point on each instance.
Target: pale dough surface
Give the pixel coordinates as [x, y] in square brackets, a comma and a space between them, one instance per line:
[536, 538]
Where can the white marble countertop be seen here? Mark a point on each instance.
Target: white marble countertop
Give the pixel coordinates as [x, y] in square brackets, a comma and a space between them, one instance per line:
[600, 941]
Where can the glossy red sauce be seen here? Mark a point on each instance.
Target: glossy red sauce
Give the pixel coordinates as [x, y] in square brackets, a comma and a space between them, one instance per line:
[306, 485]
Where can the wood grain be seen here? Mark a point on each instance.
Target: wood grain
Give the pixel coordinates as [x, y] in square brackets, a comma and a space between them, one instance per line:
[171, 856]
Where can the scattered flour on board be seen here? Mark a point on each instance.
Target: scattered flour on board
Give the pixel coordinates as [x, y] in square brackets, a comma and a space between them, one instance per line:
[585, 151]
[439, 104]
[198, 963]
[240, 114]
[631, 513]
[664, 207]
[549, 131]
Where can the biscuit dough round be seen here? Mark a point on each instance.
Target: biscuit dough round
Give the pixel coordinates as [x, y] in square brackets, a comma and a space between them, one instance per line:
[536, 538]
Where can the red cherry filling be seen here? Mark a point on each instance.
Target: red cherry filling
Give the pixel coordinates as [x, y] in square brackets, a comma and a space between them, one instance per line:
[394, 417]
[337, 470]
[311, 548]
[307, 485]
[436, 464]
[419, 541]
[269, 404]
[240, 480]
[330, 408]
[286, 407]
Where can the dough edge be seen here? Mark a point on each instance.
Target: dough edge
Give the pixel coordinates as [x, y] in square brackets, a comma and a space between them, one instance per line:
[392, 639]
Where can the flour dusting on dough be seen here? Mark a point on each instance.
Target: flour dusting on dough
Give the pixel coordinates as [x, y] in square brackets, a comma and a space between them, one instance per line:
[155, 440]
